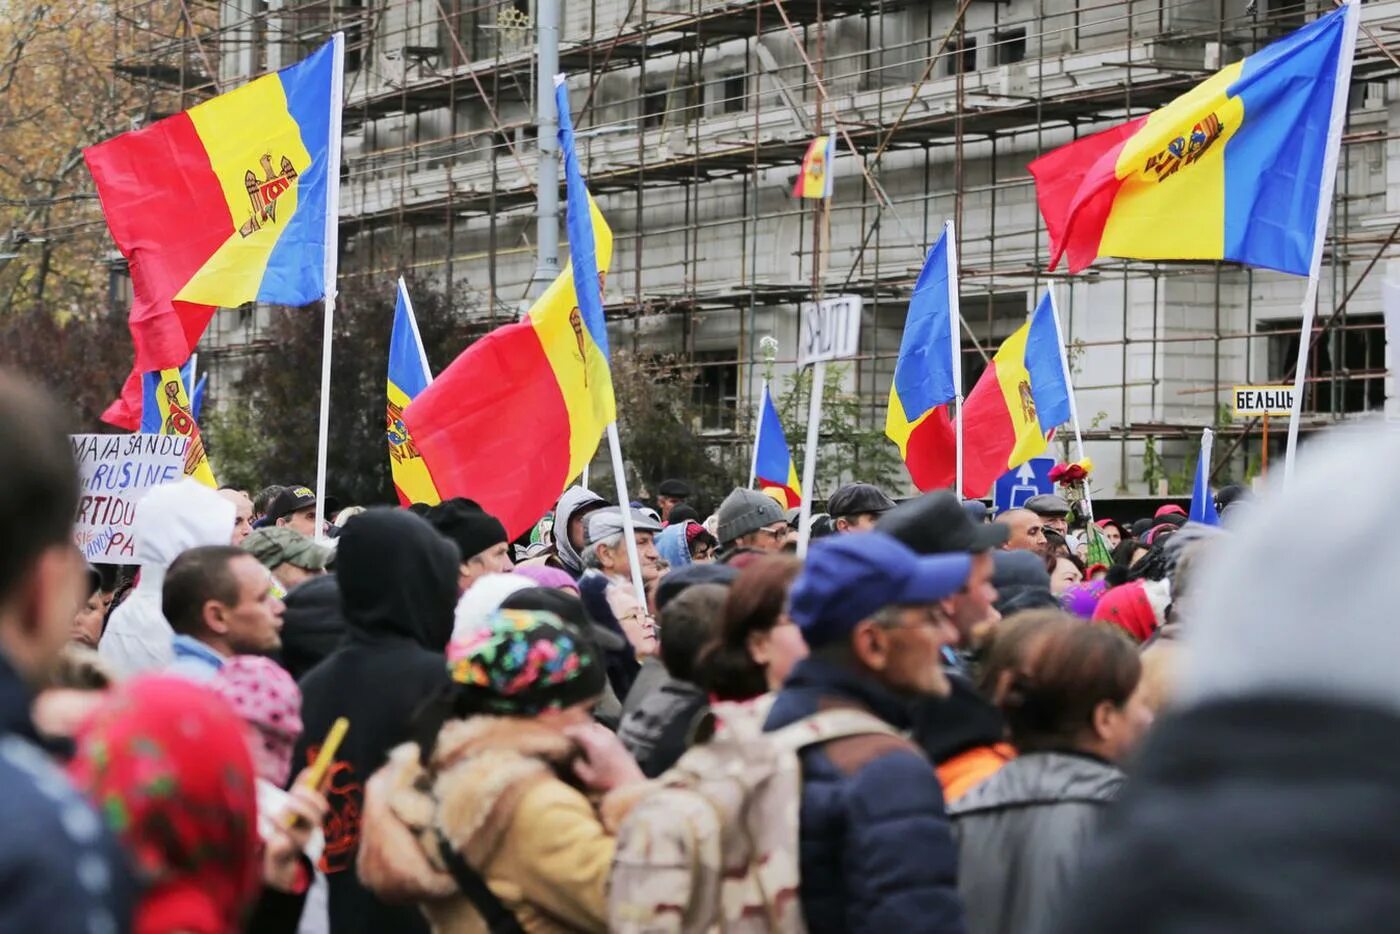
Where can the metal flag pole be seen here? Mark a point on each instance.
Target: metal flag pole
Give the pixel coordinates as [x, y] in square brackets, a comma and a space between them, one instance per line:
[955, 336]
[1324, 203]
[758, 434]
[332, 258]
[1073, 406]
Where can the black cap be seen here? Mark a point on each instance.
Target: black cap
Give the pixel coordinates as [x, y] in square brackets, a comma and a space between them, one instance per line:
[471, 527]
[677, 581]
[856, 499]
[682, 512]
[936, 524]
[675, 489]
[289, 501]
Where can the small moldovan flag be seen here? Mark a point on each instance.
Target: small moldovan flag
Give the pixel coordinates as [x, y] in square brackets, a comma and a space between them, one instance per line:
[408, 376]
[166, 410]
[1012, 412]
[1202, 500]
[224, 204]
[1234, 169]
[816, 179]
[520, 412]
[927, 373]
[773, 468]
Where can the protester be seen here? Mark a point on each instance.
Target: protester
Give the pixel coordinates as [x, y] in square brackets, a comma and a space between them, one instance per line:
[543, 576]
[669, 495]
[1270, 778]
[292, 558]
[262, 502]
[243, 513]
[497, 787]
[483, 600]
[1027, 531]
[49, 831]
[220, 602]
[758, 642]
[87, 622]
[1053, 511]
[856, 507]
[398, 585]
[1083, 599]
[977, 511]
[682, 513]
[313, 625]
[170, 519]
[1021, 582]
[1074, 715]
[606, 546]
[1067, 572]
[616, 606]
[480, 537]
[685, 542]
[570, 531]
[295, 508]
[1137, 608]
[652, 675]
[750, 520]
[660, 728]
[1112, 532]
[1229, 499]
[876, 853]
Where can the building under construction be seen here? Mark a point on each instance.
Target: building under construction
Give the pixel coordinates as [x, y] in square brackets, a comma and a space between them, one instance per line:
[693, 117]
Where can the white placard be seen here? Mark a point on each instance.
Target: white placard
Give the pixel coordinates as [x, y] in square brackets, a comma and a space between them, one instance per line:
[115, 471]
[830, 329]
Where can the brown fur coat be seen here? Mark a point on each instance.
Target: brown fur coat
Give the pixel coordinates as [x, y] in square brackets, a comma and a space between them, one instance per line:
[493, 791]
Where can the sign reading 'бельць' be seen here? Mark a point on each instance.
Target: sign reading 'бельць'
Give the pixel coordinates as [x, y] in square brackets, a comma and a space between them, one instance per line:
[1263, 400]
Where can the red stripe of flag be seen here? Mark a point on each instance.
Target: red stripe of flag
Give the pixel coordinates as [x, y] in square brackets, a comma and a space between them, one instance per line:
[988, 440]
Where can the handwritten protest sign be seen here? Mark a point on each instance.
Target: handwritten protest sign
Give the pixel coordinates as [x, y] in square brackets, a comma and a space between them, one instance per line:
[115, 472]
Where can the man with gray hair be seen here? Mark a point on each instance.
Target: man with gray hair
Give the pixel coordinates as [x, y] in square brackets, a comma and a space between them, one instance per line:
[751, 520]
[605, 546]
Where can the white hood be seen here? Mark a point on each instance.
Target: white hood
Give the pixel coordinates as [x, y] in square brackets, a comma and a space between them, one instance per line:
[169, 520]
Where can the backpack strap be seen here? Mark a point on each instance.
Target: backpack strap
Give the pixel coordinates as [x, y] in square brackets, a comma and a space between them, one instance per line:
[826, 725]
[499, 919]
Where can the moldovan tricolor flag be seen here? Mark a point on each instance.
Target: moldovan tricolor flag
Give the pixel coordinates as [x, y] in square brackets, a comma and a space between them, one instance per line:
[223, 204]
[1009, 416]
[928, 372]
[408, 376]
[166, 410]
[816, 179]
[520, 412]
[773, 468]
[1231, 170]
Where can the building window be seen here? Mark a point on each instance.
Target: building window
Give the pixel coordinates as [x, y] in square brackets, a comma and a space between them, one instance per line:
[654, 106]
[735, 93]
[1346, 370]
[961, 56]
[1010, 46]
[716, 389]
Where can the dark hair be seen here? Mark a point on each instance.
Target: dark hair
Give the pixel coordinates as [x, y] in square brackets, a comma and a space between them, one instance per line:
[194, 578]
[263, 500]
[756, 600]
[701, 538]
[1073, 669]
[39, 497]
[1052, 561]
[1011, 643]
[681, 512]
[1055, 544]
[689, 625]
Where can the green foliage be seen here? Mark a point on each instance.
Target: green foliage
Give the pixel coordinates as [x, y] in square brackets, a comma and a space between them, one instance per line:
[1154, 470]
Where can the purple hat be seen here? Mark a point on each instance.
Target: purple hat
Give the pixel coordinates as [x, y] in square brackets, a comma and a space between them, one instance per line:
[1083, 598]
[546, 576]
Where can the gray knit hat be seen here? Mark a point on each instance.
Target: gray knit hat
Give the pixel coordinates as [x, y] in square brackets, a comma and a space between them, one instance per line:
[745, 511]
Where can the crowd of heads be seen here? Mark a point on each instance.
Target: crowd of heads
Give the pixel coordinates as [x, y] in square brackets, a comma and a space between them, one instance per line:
[511, 692]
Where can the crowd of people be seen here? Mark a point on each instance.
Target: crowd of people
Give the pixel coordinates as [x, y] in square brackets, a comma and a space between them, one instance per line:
[938, 720]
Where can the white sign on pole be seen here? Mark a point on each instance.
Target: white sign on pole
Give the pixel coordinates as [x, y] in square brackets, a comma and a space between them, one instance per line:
[1263, 400]
[830, 329]
[114, 473]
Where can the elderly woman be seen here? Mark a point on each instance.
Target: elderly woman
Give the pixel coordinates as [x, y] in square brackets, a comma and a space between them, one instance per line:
[487, 818]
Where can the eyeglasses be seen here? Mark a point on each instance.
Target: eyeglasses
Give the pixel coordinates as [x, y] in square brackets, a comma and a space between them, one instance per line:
[777, 532]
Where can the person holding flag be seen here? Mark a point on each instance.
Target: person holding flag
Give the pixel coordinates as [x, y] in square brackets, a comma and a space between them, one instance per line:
[408, 376]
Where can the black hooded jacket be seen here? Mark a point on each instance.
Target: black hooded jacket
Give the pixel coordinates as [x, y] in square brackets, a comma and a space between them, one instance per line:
[398, 587]
[313, 625]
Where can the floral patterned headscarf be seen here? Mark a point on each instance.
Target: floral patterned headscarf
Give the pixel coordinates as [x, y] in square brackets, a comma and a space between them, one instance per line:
[165, 763]
[520, 662]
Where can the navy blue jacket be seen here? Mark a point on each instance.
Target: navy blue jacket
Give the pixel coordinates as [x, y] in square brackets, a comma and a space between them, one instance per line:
[60, 869]
[877, 853]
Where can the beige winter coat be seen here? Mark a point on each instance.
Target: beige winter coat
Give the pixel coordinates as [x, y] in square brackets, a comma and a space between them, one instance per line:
[538, 841]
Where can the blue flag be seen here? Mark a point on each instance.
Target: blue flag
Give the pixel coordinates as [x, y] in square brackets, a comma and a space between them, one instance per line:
[582, 251]
[1202, 501]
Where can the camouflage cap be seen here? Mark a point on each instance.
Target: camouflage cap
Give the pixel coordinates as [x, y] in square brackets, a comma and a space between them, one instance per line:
[281, 545]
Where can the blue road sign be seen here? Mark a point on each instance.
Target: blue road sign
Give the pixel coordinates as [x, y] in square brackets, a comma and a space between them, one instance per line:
[1014, 487]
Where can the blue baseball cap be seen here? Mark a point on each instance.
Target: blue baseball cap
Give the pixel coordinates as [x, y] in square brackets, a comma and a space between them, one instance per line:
[849, 578]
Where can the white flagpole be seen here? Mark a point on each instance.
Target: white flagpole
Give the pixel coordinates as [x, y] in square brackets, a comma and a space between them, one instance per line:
[413, 325]
[809, 457]
[1324, 207]
[624, 503]
[331, 266]
[955, 335]
[757, 434]
[1069, 385]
